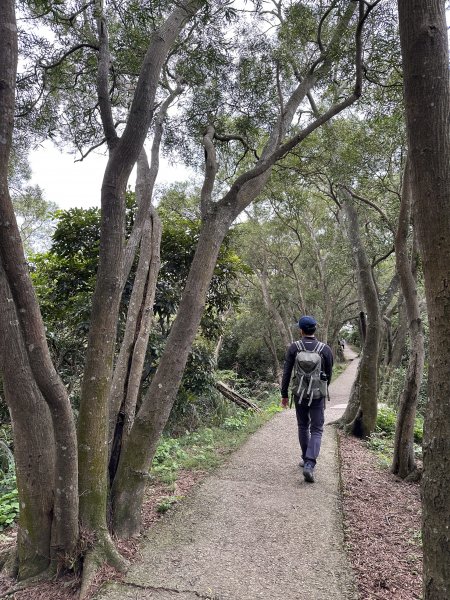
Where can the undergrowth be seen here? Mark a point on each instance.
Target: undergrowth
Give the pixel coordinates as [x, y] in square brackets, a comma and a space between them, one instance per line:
[382, 439]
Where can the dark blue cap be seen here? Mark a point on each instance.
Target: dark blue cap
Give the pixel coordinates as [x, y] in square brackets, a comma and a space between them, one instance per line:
[307, 322]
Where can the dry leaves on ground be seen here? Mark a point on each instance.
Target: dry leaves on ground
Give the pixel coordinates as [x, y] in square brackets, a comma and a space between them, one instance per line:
[382, 520]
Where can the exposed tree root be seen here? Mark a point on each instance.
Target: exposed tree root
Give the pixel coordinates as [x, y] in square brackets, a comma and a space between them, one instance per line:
[101, 552]
[414, 476]
[46, 575]
[9, 561]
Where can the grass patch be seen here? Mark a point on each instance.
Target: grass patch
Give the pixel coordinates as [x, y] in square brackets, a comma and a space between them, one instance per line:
[206, 448]
[338, 369]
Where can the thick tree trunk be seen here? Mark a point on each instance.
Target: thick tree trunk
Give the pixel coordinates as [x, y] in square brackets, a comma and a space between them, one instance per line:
[34, 448]
[124, 152]
[65, 527]
[364, 422]
[403, 463]
[424, 43]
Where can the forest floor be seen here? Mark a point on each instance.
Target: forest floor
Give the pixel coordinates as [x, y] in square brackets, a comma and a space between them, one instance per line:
[376, 521]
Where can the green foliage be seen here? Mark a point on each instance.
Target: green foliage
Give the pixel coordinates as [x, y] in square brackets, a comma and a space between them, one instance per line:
[418, 430]
[35, 217]
[64, 278]
[391, 385]
[236, 422]
[166, 503]
[386, 420]
[383, 446]
[9, 501]
[382, 440]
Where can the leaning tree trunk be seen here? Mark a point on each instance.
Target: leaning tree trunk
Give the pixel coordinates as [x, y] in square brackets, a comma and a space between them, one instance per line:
[365, 389]
[34, 448]
[135, 459]
[424, 43]
[403, 463]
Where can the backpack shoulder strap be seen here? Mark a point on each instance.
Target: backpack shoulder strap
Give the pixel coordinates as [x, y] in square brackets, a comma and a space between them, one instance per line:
[319, 348]
[300, 346]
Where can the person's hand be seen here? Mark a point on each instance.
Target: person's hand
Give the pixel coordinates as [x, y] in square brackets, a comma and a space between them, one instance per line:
[284, 402]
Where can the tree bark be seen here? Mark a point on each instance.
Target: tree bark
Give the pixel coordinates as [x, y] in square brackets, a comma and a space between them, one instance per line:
[128, 371]
[366, 389]
[34, 448]
[124, 152]
[403, 463]
[127, 376]
[65, 528]
[424, 44]
[398, 347]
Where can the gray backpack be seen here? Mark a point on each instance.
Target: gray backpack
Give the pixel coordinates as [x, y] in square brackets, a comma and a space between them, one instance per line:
[308, 367]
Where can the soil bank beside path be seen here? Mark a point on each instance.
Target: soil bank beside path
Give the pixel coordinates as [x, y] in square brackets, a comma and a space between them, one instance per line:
[254, 529]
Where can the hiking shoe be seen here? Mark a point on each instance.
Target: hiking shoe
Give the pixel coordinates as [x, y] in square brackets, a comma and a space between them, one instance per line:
[308, 472]
[301, 464]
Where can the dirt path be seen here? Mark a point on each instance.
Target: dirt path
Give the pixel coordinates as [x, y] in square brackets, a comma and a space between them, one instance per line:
[254, 529]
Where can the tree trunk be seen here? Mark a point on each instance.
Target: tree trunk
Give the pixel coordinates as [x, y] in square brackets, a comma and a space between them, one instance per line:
[65, 526]
[403, 463]
[128, 368]
[398, 347]
[128, 372]
[366, 390]
[124, 152]
[34, 448]
[424, 43]
[135, 460]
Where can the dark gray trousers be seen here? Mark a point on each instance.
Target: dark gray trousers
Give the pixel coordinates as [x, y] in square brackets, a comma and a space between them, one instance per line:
[310, 420]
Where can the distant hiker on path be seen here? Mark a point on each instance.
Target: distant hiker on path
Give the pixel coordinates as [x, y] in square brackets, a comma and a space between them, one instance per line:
[312, 362]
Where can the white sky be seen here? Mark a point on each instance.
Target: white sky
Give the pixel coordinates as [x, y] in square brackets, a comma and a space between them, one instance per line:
[69, 183]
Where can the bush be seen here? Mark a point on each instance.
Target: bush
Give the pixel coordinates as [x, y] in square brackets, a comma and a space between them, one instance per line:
[9, 502]
[386, 420]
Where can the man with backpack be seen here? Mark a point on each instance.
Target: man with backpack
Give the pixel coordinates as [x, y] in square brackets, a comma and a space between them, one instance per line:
[312, 362]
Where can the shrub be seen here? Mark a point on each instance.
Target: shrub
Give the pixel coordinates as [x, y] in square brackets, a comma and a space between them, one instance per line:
[386, 420]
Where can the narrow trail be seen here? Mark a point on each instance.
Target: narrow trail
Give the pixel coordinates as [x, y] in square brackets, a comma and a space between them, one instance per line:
[254, 529]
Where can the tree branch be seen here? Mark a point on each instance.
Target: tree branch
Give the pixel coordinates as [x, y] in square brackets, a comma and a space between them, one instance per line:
[210, 170]
[104, 60]
[62, 58]
[369, 203]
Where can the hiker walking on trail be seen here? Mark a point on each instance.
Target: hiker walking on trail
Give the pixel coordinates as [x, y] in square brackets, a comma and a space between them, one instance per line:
[312, 362]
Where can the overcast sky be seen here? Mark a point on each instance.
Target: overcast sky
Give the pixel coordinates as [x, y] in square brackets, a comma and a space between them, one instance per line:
[69, 183]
